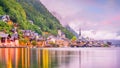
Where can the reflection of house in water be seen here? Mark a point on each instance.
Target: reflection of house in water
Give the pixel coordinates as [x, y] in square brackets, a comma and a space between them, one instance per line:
[10, 57]
[45, 58]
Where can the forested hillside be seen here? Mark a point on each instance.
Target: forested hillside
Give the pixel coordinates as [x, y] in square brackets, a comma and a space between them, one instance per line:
[23, 11]
[17, 14]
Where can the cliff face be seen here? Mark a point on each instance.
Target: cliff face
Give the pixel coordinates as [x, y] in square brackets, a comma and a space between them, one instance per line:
[23, 11]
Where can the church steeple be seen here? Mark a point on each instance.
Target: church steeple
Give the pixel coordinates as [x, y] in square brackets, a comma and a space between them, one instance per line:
[80, 35]
[79, 32]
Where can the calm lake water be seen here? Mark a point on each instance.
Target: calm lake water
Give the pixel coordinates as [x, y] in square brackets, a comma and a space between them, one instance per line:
[59, 57]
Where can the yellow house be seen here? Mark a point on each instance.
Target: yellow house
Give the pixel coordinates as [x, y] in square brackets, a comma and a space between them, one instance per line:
[9, 22]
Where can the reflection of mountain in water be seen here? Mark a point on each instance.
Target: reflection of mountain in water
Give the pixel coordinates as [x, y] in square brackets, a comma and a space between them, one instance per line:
[59, 57]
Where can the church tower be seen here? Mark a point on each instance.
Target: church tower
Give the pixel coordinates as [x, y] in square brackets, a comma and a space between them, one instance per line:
[80, 35]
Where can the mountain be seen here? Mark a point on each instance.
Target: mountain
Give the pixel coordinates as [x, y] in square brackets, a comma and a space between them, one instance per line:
[41, 17]
[56, 15]
[24, 11]
[71, 30]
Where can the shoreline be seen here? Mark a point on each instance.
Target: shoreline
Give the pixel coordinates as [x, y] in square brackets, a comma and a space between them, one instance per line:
[54, 47]
[13, 47]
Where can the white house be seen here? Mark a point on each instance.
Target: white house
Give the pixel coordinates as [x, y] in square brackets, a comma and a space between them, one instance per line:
[5, 18]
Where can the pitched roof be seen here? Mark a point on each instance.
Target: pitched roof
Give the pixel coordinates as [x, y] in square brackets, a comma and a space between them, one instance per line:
[3, 34]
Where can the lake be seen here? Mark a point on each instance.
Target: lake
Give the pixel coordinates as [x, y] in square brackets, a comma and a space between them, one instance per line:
[60, 57]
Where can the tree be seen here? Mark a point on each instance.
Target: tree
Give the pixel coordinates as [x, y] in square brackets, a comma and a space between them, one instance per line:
[74, 38]
[34, 43]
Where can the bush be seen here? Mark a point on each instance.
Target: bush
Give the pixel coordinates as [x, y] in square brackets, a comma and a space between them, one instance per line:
[34, 43]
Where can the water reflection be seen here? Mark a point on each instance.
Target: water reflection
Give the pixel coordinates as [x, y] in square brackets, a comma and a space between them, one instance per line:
[59, 58]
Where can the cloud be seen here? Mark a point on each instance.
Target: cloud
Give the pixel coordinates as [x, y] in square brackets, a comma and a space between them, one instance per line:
[62, 7]
[98, 35]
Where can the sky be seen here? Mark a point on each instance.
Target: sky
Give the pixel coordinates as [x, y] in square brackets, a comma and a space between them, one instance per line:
[98, 19]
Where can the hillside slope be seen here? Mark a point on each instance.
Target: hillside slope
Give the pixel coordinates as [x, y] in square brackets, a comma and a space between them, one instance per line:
[39, 14]
[23, 11]
[17, 14]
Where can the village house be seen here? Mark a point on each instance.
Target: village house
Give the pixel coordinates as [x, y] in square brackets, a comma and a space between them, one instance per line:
[3, 39]
[60, 40]
[51, 40]
[30, 34]
[60, 34]
[31, 37]
[41, 42]
[6, 18]
[9, 40]
[15, 39]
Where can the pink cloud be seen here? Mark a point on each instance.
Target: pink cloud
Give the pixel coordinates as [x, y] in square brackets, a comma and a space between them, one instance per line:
[112, 21]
